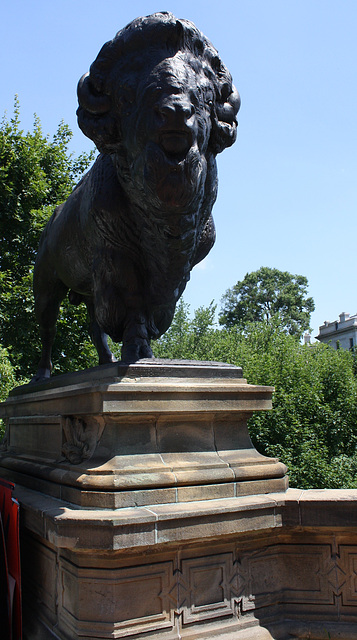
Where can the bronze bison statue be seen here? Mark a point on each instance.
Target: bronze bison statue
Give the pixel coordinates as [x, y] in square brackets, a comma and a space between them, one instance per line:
[159, 104]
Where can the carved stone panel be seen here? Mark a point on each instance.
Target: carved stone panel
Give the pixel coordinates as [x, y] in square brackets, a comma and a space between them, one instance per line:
[123, 601]
[40, 576]
[288, 574]
[346, 572]
[82, 436]
[207, 587]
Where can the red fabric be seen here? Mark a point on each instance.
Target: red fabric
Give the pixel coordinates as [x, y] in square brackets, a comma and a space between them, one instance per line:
[10, 570]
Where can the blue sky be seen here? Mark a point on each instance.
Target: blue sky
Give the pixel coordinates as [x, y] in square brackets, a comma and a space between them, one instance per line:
[287, 192]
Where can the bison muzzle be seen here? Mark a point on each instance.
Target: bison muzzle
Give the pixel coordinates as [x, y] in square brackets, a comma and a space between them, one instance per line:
[159, 105]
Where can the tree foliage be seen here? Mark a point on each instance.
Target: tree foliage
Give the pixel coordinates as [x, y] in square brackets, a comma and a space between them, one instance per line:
[266, 294]
[188, 339]
[7, 380]
[7, 374]
[313, 425]
[36, 174]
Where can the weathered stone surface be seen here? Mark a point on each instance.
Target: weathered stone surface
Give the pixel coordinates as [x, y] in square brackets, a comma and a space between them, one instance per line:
[127, 435]
[229, 568]
[171, 524]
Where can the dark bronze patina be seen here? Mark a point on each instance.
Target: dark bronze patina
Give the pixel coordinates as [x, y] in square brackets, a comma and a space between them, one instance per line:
[159, 104]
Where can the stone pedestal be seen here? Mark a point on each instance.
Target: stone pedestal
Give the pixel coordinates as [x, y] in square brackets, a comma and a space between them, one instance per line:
[132, 482]
[133, 435]
[147, 514]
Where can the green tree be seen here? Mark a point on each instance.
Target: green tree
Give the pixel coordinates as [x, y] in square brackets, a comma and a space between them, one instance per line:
[312, 427]
[7, 380]
[7, 374]
[36, 174]
[266, 294]
[188, 338]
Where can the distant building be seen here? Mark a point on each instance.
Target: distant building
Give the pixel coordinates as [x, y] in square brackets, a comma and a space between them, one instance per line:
[341, 334]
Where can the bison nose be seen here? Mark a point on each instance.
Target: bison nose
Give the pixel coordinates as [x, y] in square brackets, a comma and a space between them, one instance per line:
[175, 115]
[175, 130]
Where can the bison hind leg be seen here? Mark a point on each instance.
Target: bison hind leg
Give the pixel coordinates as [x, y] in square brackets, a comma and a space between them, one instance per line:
[98, 337]
[48, 297]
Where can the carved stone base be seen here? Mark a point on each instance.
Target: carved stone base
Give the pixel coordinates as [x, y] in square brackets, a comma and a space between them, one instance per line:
[147, 513]
[271, 567]
[131, 435]
[133, 484]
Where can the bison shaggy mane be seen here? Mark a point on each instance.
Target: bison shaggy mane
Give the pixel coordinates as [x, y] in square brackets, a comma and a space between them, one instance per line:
[121, 60]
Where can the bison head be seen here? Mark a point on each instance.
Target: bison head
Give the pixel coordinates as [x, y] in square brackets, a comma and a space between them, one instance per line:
[159, 99]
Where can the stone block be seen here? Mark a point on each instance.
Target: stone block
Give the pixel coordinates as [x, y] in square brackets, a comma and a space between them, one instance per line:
[120, 435]
[149, 514]
[220, 568]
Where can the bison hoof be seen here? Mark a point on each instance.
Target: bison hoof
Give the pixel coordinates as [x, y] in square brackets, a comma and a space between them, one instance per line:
[107, 358]
[42, 375]
[133, 352]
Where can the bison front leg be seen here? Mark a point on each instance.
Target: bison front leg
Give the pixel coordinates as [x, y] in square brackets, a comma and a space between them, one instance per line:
[136, 341]
[119, 302]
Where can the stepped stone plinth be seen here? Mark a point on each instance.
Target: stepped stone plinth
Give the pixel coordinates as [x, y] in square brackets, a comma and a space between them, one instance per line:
[131, 435]
[132, 480]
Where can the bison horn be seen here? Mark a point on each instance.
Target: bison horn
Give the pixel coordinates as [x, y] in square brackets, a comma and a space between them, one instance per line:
[91, 99]
[234, 99]
[227, 111]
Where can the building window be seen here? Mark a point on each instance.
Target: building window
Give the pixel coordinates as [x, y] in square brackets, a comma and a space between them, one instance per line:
[351, 343]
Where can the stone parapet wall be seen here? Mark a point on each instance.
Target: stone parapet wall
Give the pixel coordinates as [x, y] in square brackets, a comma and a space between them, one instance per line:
[276, 566]
[147, 513]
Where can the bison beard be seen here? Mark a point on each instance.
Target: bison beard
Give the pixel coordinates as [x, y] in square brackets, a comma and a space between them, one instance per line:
[159, 104]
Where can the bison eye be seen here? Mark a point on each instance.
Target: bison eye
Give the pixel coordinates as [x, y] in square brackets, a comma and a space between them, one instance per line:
[209, 98]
